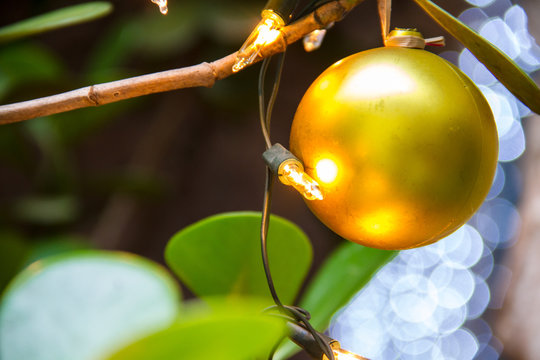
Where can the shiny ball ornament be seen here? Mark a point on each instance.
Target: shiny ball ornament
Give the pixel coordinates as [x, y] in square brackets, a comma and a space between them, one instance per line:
[403, 145]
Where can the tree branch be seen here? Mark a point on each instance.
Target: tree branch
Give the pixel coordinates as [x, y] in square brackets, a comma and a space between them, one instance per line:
[204, 74]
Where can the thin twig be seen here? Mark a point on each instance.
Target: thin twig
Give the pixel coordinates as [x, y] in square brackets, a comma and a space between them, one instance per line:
[204, 74]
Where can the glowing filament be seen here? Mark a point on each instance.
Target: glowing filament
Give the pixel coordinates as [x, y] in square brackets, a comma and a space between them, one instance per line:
[314, 39]
[266, 32]
[162, 6]
[293, 174]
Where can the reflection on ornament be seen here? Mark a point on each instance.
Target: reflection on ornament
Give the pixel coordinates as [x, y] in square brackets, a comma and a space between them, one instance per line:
[326, 170]
[402, 144]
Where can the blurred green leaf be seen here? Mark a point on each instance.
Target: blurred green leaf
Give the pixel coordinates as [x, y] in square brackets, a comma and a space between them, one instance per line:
[67, 16]
[345, 272]
[148, 35]
[55, 245]
[84, 305]
[157, 36]
[136, 183]
[500, 65]
[13, 254]
[15, 149]
[27, 64]
[221, 255]
[47, 210]
[57, 170]
[73, 126]
[231, 331]
[229, 23]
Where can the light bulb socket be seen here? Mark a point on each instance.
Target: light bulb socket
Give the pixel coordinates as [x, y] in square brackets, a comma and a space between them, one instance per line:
[284, 8]
[278, 156]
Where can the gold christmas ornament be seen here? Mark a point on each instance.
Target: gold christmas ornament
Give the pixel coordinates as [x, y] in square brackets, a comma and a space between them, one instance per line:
[402, 144]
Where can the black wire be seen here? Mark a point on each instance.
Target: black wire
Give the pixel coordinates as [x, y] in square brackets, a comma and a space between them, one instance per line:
[262, 108]
[299, 315]
[275, 89]
[265, 114]
[265, 222]
[309, 8]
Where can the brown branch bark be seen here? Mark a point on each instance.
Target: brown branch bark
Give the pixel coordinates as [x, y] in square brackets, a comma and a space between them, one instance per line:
[204, 74]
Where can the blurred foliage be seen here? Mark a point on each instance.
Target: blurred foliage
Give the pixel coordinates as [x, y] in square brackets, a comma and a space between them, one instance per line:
[55, 19]
[16, 251]
[13, 254]
[83, 305]
[229, 330]
[25, 64]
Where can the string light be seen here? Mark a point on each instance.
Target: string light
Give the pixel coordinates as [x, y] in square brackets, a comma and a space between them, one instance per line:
[162, 6]
[266, 32]
[291, 172]
[341, 354]
[275, 15]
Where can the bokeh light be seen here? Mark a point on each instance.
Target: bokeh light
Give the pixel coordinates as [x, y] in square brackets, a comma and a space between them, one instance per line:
[428, 302]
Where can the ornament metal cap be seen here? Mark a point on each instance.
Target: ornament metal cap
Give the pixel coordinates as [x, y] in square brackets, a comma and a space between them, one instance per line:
[411, 38]
[403, 37]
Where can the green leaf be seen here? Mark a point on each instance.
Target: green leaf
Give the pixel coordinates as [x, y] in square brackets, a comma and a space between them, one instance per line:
[73, 126]
[84, 305]
[27, 64]
[54, 245]
[15, 149]
[67, 16]
[13, 253]
[221, 255]
[343, 274]
[500, 65]
[148, 35]
[236, 331]
[47, 210]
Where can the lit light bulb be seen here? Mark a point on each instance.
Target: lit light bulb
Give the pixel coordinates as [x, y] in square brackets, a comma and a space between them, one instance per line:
[340, 354]
[291, 172]
[162, 6]
[266, 32]
[314, 39]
